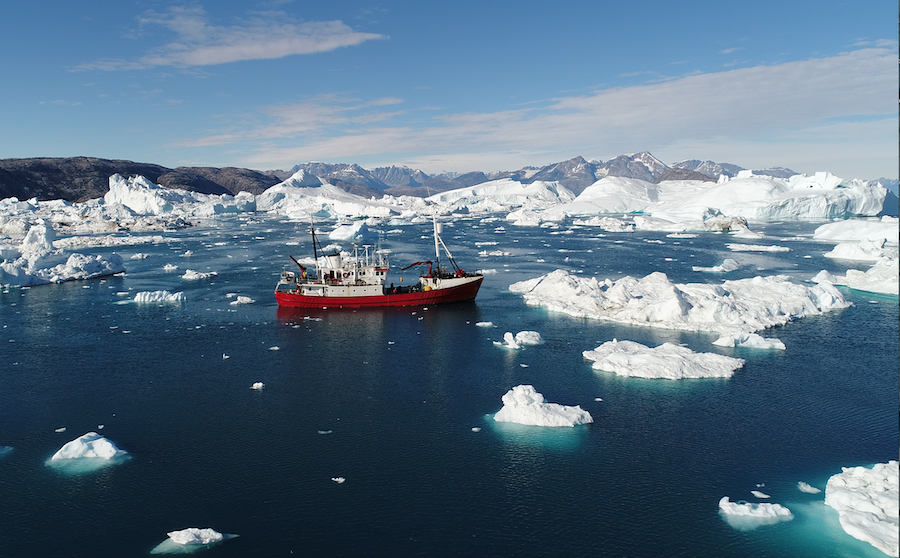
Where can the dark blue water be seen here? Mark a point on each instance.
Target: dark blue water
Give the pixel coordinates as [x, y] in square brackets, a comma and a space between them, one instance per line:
[388, 399]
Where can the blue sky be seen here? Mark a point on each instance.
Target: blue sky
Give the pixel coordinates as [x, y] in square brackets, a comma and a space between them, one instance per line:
[453, 86]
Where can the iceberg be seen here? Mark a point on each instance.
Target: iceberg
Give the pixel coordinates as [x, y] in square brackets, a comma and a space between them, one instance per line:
[851, 230]
[862, 250]
[883, 277]
[730, 308]
[745, 516]
[524, 405]
[750, 341]
[147, 297]
[187, 541]
[867, 503]
[86, 454]
[667, 361]
[808, 488]
[516, 341]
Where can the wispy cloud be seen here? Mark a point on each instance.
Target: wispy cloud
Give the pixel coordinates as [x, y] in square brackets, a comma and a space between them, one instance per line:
[742, 103]
[265, 35]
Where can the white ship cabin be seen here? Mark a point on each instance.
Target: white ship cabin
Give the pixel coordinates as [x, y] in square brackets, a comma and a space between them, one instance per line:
[370, 269]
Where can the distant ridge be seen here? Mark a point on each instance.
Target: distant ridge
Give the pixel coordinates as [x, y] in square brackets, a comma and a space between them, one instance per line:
[78, 179]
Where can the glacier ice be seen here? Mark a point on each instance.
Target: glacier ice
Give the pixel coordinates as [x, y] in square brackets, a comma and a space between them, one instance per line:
[868, 505]
[524, 405]
[667, 361]
[745, 516]
[730, 308]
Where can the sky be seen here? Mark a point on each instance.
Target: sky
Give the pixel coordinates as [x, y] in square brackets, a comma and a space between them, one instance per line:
[453, 86]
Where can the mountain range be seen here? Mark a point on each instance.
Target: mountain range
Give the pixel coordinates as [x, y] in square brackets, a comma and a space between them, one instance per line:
[77, 179]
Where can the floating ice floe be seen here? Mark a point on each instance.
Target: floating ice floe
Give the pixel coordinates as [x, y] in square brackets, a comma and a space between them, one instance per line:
[862, 250]
[750, 341]
[187, 541]
[808, 488]
[86, 453]
[868, 505]
[756, 248]
[258, 386]
[883, 277]
[667, 361]
[338, 480]
[484, 324]
[730, 308]
[190, 274]
[516, 341]
[524, 405]
[850, 230]
[727, 265]
[746, 516]
[158, 296]
[242, 300]
[759, 494]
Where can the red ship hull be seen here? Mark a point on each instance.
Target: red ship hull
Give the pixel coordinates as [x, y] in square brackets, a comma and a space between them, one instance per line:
[460, 293]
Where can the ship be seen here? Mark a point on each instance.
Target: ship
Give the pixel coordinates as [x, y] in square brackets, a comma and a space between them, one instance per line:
[361, 281]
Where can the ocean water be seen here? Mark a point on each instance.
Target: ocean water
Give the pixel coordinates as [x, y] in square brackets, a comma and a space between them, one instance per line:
[391, 399]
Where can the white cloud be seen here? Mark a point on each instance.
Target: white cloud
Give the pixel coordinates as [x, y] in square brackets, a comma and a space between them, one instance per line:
[264, 36]
[778, 105]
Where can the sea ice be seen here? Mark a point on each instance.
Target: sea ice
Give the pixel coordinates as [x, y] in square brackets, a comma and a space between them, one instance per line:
[730, 308]
[883, 277]
[724, 267]
[749, 340]
[524, 405]
[867, 503]
[667, 361]
[746, 516]
[516, 341]
[808, 488]
[756, 248]
[187, 541]
[862, 250]
[158, 296]
[86, 453]
[190, 274]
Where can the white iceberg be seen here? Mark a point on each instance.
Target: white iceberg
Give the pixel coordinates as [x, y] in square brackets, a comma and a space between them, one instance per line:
[187, 541]
[808, 488]
[192, 275]
[524, 405]
[850, 230]
[883, 277]
[749, 340]
[732, 307]
[867, 503]
[667, 361]
[727, 265]
[516, 341]
[746, 516]
[862, 250]
[146, 297]
[87, 453]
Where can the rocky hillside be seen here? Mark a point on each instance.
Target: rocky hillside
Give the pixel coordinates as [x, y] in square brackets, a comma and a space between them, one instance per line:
[82, 178]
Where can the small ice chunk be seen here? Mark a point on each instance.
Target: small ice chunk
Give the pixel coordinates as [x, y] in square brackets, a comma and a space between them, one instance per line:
[808, 488]
[484, 324]
[749, 340]
[759, 494]
[516, 341]
[61, 429]
[242, 300]
[524, 405]
[147, 297]
[190, 274]
[192, 535]
[275, 348]
[746, 516]
[170, 267]
[88, 445]
[476, 429]
[258, 386]
[339, 480]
